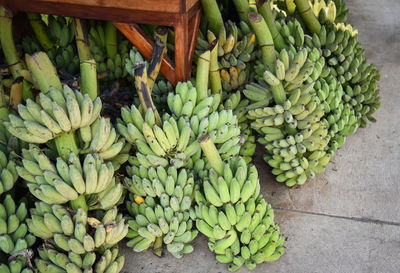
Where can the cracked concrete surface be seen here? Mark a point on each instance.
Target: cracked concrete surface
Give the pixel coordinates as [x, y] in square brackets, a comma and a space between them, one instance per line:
[347, 219]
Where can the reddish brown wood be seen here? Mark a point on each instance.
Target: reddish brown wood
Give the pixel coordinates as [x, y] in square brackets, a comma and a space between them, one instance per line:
[194, 24]
[139, 39]
[183, 15]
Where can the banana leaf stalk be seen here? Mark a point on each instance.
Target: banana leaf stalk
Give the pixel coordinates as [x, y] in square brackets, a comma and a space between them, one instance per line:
[264, 37]
[242, 7]
[213, 15]
[215, 77]
[39, 29]
[308, 15]
[44, 73]
[264, 8]
[212, 154]
[15, 64]
[141, 80]
[87, 64]
[203, 69]
[266, 43]
[111, 39]
[156, 58]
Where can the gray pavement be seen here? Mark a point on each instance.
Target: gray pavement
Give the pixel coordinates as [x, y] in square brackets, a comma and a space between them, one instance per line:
[347, 219]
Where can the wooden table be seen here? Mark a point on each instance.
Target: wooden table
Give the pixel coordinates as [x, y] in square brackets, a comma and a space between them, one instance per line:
[182, 15]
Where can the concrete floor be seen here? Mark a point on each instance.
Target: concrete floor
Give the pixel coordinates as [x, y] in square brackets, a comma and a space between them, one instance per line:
[347, 219]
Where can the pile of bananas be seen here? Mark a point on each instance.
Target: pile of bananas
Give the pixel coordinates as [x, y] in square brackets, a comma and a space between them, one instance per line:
[8, 174]
[234, 216]
[60, 181]
[235, 53]
[238, 105]
[77, 232]
[63, 53]
[57, 114]
[109, 61]
[52, 260]
[159, 208]
[14, 237]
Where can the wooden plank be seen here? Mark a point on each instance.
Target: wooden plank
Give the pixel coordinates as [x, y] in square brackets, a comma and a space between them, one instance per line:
[98, 13]
[139, 39]
[181, 48]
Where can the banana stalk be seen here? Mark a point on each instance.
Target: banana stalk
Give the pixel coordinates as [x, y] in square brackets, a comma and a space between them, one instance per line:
[264, 37]
[264, 8]
[111, 39]
[157, 56]
[43, 72]
[213, 15]
[88, 65]
[212, 154]
[308, 15]
[242, 7]
[157, 247]
[89, 78]
[7, 43]
[215, 77]
[203, 68]
[39, 29]
[143, 91]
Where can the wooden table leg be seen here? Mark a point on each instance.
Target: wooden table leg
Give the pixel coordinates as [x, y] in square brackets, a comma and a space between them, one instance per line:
[181, 48]
[194, 24]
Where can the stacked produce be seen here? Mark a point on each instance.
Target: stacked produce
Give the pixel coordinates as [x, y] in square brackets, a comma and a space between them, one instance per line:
[233, 214]
[109, 50]
[56, 37]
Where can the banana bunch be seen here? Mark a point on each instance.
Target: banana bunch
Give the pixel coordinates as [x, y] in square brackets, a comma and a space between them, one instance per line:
[233, 101]
[58, 113]
[8, 174]
[30, 44]
[102, 138]
[160, 92]
[114, 66]
[78, 233]
[167, 144]
[18, 264]
[159, 207]
[235, 52]
[235, 217]
[14, 236]
[346, 62]
[203, 118]
[134, 56]
[291, 31]
[62, 181]
[52, 260]
[66, 59]
[333, 11]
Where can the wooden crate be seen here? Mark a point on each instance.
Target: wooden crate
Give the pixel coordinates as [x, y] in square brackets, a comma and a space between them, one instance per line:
[182, 15]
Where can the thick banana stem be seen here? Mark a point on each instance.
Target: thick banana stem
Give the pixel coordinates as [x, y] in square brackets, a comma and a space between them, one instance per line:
[66, 144]
[111, 39]
[82, 39]
[89, 78]
[7, 43]
[203, 68]
[3, 103]
[242, 7]
[143, 91]
[156, 57]
[264, 8]
[264, 38]
[16, 92]
[212, 154]
[213, 15]
[39, 29]
[44, 74]
[215, 77]
[308, 15]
